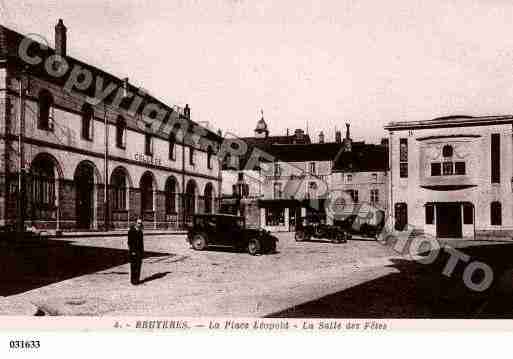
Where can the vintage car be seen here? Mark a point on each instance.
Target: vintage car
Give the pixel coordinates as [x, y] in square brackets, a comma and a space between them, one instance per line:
[226, 230]
[356, 224]
[315, 227]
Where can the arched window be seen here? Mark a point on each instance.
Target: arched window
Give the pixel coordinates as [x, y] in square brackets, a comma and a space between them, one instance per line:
[45, 111]
[146, 187]
[401, 216]
[209, 197]
[496, 214]
[172, 143]
[447, 151]
[120, 132]
[171, 196]
[87, 117]
[43, 184]
[190, 198]
[119, 189]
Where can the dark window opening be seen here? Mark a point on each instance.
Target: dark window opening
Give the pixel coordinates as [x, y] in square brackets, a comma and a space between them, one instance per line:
[120, 133]
[172, 142]
[459, 168]
[148, 150]
[45, 111]
[447, 151]
[436, 169]
[191, 156]
[210, 153]
[430, 214]
[496, 214]
[496, 158]
[87, 121]
[171, 196]
[468, 214]
[401, 216]
[403, 150]
[403, 169]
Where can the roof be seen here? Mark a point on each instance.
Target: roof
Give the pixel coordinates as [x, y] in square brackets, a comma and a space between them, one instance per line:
[362, 158]
[10, 41]
[451, 121]
[277, 140]
[305, 152]
[218, 215]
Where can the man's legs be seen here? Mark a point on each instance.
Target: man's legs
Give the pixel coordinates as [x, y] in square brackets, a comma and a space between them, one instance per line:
[135, 270]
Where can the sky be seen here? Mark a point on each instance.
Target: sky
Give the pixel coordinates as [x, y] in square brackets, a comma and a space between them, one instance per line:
[315, 63]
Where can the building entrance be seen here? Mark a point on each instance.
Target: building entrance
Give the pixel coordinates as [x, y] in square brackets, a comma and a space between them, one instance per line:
[448, 220]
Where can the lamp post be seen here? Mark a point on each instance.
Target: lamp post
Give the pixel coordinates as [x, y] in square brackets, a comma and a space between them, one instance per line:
[20, 228]
[106, 222]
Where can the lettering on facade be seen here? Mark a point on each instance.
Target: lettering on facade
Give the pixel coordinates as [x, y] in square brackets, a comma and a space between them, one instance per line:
[140, 157]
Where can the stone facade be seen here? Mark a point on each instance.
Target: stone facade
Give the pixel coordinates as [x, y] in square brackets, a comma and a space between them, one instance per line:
[452, 177]
[68, 163]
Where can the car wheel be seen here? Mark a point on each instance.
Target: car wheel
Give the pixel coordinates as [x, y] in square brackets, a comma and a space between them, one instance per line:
[299, 236]
[199, 242]
[341, 238]
[254, 247]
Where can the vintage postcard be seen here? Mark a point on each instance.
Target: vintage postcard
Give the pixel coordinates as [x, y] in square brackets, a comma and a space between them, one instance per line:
[255, 166]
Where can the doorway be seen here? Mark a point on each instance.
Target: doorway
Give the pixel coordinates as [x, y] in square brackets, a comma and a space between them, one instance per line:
[448, 220]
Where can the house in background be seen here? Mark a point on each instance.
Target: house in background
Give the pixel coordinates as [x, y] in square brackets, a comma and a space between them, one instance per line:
[299, 179]
[361, 171]
[452, 176]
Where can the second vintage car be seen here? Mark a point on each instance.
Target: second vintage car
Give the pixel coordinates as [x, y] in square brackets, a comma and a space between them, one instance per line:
[227, 230]
[315, 227]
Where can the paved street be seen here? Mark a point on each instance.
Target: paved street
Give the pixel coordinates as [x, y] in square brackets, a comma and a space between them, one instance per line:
[362, 278]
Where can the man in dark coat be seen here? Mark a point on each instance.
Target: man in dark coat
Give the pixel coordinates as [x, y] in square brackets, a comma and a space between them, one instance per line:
[135, 251]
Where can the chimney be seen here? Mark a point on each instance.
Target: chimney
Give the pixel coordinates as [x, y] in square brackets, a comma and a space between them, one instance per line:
[321, 137]
[125, 87]
[60, 39]
[338, 137]
[187, 112]
[347, 131]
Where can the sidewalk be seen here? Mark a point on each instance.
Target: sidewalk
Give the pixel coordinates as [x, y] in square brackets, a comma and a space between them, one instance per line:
[114, 233]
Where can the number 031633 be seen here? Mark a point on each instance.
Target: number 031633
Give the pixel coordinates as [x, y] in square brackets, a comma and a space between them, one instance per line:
[24, 344]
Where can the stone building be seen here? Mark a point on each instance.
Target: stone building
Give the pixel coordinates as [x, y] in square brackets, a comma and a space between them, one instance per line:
[452, 176]
[96, 153]
[299, 176]
[361, 171]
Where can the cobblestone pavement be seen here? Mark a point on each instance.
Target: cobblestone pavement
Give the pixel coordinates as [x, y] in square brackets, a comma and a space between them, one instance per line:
[182, 282]
[361, 278]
